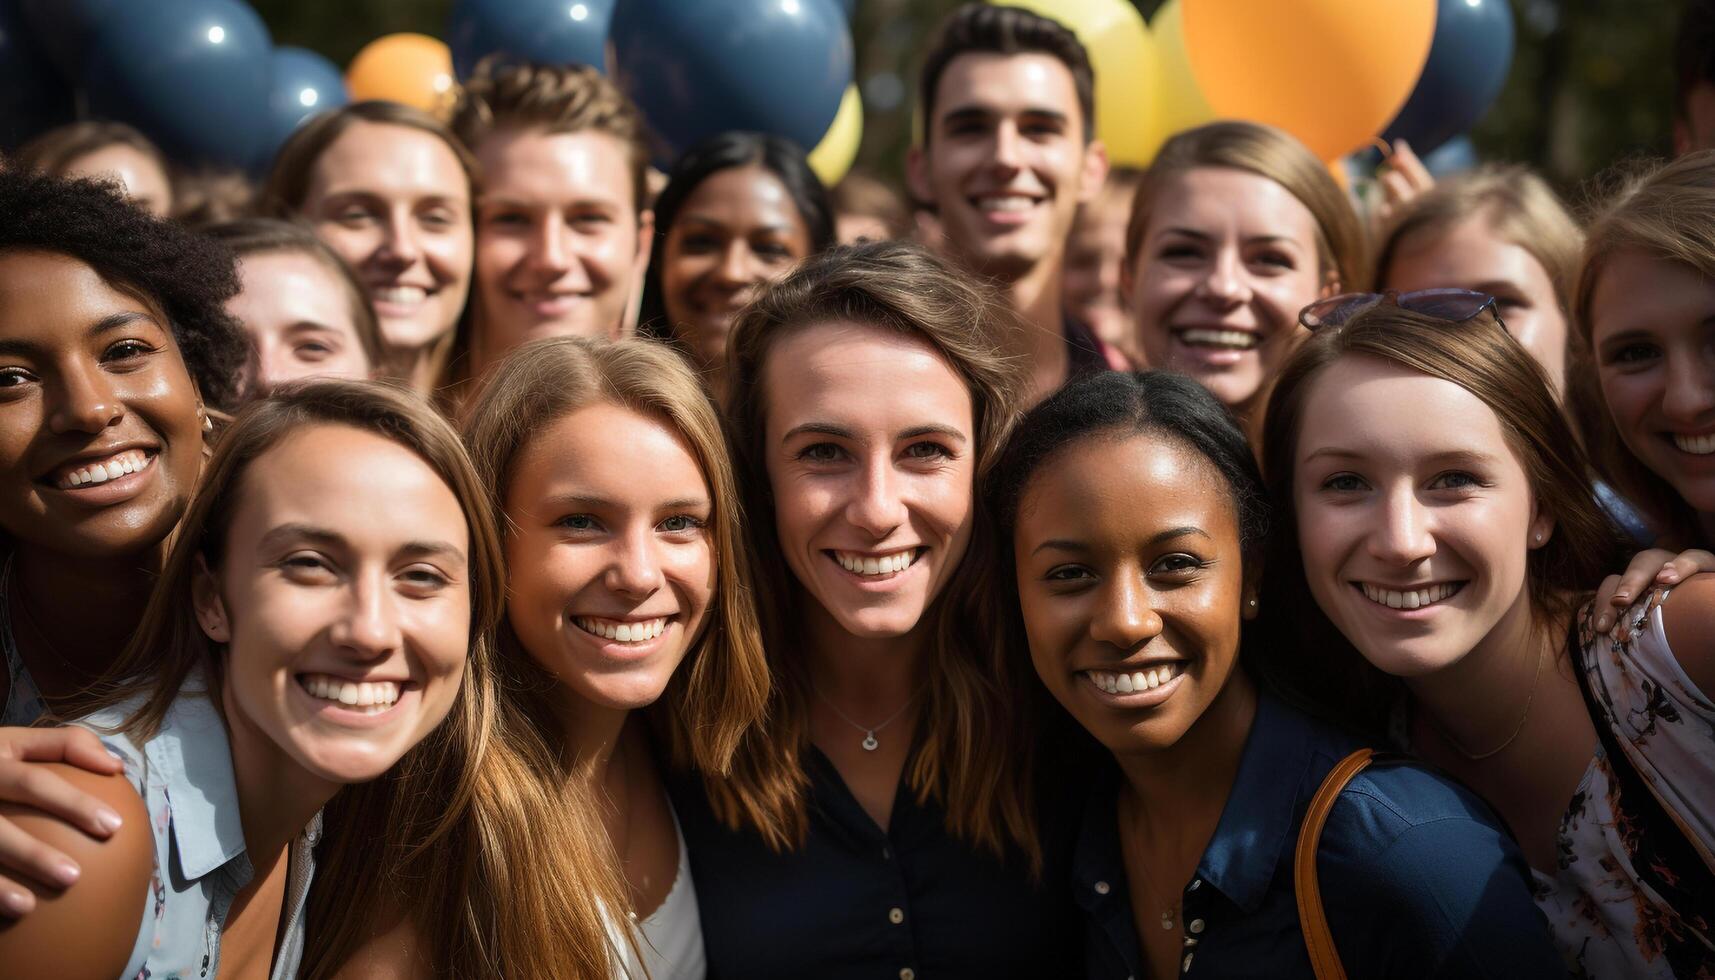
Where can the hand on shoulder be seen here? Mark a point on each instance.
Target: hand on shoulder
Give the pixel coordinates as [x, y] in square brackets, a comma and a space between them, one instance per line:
[87, 930]
[1688, 619]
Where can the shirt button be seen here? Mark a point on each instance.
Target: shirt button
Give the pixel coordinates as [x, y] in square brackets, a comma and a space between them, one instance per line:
[1185, 967]
[887, 854]
[1196, 883]
[896, 915]
[907, 974]
[1196, 925]
[1102, 888]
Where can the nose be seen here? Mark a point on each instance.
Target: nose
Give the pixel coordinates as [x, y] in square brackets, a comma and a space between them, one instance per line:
[635, 568]
[86, 402]
[369, 627]
[1225, 286]
[1008, 146]
[1126, 619]
[876, 507]
[1690, 394]
[548, 252]
[400, 247]
[738, 267]
[1403, 534]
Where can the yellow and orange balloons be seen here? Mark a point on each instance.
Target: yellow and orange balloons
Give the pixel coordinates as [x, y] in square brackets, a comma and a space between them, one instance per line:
[834, 155]
[1330, 72]
[1180, 104]
[414, 69]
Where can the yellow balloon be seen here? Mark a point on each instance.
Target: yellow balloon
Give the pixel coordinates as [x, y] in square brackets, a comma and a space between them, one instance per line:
[833, 156]
[414, 69]
[1330, 72]
[1124, 57]
[1180, 103]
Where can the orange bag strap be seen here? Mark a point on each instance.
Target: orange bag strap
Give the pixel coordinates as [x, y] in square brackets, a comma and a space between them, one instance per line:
[1312, 918]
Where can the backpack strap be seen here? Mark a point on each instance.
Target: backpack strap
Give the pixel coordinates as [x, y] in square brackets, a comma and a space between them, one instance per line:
[1312, 918]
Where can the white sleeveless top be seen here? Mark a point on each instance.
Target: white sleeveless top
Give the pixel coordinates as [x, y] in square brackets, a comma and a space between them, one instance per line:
[671, 938]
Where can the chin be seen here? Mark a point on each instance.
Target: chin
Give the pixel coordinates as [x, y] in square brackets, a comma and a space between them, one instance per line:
[1417, 658]
[349, 761]
[880, 624]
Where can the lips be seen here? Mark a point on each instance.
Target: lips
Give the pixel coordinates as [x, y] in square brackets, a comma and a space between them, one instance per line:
[94, 472]
[876, 565]
[398, 300]
[623, 631]
[1126, 682]
[367, 697]
[1697, 445]
[1218, 338]
[1414, 598]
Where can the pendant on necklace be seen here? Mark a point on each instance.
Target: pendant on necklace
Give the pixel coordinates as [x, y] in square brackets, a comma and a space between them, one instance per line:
[869, 742]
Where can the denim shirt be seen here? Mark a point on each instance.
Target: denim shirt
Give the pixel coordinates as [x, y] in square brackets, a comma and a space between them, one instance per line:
[184, 775]
[1417, 877]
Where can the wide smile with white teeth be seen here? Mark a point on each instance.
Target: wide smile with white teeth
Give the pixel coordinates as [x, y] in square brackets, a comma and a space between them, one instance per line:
[876, 565]
[1702, 445]
[1409, 598]
[1134, 681]
[1004, 202]
[399, 295]
[364, 697]
[101, 471]
[1222, 339]
[639, 631]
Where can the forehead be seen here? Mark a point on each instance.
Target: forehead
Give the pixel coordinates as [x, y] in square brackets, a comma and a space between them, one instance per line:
[1124, 486]
[383, 158]
[1384, 411]
[865, 376]
[1636, 291]
[1005, 84]
[295, 286]
[352, 482]
[47, 290]
[597, 449]
[537, 165]
[741, 196]
[1463, 254]
[1225, 200]
[112, 158]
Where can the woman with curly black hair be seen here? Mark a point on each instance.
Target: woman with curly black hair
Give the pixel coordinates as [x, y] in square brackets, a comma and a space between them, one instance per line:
[115, 348]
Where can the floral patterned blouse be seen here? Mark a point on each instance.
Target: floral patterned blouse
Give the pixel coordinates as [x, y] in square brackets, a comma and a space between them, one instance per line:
[1608, 918]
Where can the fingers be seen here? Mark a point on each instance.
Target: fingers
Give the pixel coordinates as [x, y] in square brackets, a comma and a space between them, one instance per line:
[35, 786]
[1686, 564]
[23, 854]
[75, 746]
[1604, 604]
[1404, 161]
[16, 901]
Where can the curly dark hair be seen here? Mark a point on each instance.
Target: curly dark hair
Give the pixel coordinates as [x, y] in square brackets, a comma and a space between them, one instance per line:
[187, 276]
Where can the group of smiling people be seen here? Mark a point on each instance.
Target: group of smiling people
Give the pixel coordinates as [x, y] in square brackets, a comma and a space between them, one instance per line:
[853, 618]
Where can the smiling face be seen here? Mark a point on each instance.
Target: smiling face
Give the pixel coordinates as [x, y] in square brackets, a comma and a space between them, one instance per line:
[139, 175]
[343, 600]
[871, 456]
[1006, 164]
[1226, 262]
[298, 314]
[1471, 256]
[610, 577]
[558, 242]
[1653, 333]
[1095, 258]
[738, 229]
[394, 202]
[100, 438]
[1415, 517]
[1131, 583]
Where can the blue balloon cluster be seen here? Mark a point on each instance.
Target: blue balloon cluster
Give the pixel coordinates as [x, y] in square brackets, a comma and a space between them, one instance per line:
[200, 77]
[1469, 57]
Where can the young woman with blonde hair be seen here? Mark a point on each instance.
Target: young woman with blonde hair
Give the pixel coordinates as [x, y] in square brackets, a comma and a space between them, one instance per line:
[327, 615]
[1234, 229]
[629, 646]
[886, 819]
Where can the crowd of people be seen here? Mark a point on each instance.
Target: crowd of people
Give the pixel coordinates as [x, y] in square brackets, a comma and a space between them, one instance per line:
[472, 553]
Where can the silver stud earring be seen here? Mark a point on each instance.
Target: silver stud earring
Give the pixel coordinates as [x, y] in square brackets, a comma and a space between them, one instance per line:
[1252, 603]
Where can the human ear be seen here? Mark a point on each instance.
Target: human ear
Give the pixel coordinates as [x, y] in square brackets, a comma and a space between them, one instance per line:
[210, 607]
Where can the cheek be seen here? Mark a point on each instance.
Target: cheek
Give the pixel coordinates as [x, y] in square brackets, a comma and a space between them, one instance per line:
[356, 247]
[1628, 396]
[1281, 299]
[451, 256]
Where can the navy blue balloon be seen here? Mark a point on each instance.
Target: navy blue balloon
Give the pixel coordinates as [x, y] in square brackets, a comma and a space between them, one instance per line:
[1454, 156]
[305, 84]
[704, 67]
[1468, 62]
[64, 29]
[192, 74]
[551, 32]
[33, 97]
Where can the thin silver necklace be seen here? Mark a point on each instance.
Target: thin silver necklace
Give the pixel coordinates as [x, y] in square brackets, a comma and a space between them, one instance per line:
[869, 741]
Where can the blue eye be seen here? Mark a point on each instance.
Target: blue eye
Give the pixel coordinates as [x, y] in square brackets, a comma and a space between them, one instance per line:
[577, 522]
[1343, 483]
[681, 523]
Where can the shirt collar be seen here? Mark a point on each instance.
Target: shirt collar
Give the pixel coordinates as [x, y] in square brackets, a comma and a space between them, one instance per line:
[193, 752]
[1263, 809]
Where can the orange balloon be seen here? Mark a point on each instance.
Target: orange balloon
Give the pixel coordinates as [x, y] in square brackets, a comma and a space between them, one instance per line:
[411, 68]
[1330, 72]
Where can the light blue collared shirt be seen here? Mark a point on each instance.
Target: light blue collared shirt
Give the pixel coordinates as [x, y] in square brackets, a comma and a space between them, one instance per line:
[184, 774]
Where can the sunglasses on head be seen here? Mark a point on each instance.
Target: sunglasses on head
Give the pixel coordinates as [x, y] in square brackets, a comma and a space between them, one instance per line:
[1452, 305]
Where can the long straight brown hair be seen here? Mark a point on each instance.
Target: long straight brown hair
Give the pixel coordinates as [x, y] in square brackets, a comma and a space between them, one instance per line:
[975, 755]
[1313, 662]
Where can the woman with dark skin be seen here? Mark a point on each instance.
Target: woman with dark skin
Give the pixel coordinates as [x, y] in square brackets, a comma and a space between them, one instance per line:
[114, 351]
[739, 210]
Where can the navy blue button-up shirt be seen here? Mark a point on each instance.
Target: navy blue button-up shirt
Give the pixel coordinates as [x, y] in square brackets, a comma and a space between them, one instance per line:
[859, 902]
[1418, 878]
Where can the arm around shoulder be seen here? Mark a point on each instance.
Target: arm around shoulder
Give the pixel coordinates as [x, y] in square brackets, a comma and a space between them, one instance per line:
[1688, 618]
[90, 929]
[1448, 898]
